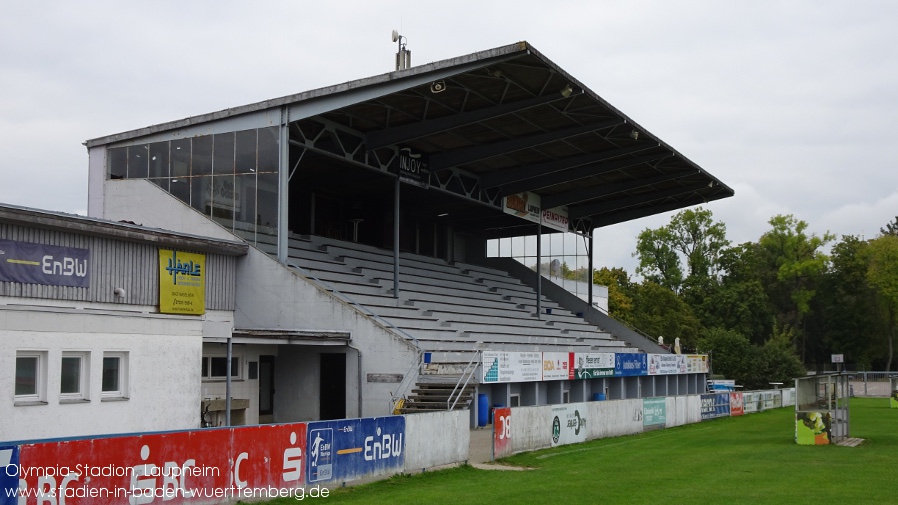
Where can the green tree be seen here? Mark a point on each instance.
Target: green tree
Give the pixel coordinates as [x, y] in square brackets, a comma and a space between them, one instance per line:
[620, 287]
[732, 355]
[736, 299]
[795, 264]
[882, 274]
[891, 228]
[753, 367]
[848, 306]
[692, 243]
[658, 261]
[658, 311]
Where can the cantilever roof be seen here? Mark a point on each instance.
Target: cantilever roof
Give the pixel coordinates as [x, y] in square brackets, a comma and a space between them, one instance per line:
[492, 124]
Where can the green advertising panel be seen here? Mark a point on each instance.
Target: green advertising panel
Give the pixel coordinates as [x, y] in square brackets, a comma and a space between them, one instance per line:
[654, 411]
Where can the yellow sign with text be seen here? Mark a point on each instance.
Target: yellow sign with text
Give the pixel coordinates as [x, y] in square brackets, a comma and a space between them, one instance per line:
[182, 282]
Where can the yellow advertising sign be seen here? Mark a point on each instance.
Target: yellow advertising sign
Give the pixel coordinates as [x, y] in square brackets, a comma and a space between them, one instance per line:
[182, 282]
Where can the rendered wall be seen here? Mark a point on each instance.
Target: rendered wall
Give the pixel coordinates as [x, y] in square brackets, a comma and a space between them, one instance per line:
[163, 364]
[272, 296]
[436, 438]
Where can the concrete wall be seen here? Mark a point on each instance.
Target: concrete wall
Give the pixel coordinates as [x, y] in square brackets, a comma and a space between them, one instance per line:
[144, 203]
[164, 351]
[437, 438]
[272, 296]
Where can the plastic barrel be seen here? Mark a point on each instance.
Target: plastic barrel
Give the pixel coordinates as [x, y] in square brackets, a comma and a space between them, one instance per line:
[598, 397]
[483, 409]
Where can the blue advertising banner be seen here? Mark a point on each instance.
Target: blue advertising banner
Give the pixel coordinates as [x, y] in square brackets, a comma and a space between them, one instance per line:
[715, 405]
[9, 474]
[630, 364]
[50, 265]
[350, 448]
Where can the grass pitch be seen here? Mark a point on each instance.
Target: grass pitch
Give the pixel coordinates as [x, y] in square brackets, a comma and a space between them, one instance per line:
[751, 459]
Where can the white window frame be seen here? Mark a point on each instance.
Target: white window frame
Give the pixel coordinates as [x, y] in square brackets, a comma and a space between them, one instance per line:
[123, 377]
[83, 393]
[207, 359]
[39, 397]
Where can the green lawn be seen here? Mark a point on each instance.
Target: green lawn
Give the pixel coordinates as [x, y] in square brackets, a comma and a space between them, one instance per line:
[751, 459]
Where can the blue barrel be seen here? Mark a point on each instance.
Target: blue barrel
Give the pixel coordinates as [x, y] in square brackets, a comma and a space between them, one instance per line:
[483, 409]
[598, 397]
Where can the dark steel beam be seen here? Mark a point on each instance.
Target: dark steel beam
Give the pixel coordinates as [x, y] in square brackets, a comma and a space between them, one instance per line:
[599, 208]
[458, 157]
[493, 179]
[580, 172]
[404, 133]
[584, 194]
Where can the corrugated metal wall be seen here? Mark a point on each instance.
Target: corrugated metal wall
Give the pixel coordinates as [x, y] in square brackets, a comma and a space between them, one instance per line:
[132, 266]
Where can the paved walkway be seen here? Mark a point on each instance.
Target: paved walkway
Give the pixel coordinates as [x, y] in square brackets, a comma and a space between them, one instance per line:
[481, 448]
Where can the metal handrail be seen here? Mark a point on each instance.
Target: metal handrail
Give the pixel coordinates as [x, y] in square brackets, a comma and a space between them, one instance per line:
[413, 371]
[469, 371]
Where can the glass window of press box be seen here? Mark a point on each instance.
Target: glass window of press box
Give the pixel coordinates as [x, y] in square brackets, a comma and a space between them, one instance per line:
[230, 177]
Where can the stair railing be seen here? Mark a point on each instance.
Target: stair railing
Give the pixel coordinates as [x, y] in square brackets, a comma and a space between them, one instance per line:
[410, 377]
[466, 376]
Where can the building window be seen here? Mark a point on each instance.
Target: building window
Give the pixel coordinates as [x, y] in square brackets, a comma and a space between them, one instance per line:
[215, 367]
[115, 376]
[31, 377]
[74, 380]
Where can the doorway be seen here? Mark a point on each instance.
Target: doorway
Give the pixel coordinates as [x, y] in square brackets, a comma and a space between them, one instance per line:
[266, 389]
[332, 394]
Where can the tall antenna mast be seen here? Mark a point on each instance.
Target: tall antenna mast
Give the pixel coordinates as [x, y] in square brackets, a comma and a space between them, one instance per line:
[403, 55]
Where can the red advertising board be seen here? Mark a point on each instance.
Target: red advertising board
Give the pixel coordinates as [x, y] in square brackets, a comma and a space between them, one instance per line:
[269, 456]
[737, 406]
[502, 432]
[190, 467]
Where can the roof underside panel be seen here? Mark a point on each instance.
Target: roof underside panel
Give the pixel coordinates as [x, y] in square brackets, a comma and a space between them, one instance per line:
[525, 125]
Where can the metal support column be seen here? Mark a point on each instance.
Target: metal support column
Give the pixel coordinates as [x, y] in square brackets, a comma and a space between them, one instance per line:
[396, 239]
[283, 187]
[589, 256]
[228, 382]
[539, 270]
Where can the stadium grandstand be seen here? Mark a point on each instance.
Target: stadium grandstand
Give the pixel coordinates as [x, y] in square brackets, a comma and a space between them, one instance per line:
[370, 207]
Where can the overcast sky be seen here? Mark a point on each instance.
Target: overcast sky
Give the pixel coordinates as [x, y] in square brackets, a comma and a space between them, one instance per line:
[789, 103]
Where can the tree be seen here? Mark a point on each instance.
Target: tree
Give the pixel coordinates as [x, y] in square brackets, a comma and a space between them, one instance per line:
[658, 311]
[732, 355]
[891, 228]
[751, 366]
[658, 261]
[620, 303]
[847, 305]
[692, 242]
[882, 274]
[798, 263]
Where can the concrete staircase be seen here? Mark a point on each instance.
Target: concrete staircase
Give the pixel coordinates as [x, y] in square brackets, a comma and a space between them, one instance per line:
[434, 394]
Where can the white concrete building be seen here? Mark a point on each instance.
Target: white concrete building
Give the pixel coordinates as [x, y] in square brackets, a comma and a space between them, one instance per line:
[85, 348]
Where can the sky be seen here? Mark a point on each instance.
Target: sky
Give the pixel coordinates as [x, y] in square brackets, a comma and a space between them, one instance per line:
[790, 103]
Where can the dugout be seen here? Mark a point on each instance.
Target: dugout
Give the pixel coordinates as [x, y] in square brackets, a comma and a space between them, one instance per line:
[821, 409]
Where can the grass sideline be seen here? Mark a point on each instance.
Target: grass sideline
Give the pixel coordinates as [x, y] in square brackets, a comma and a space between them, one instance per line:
[750, 459]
